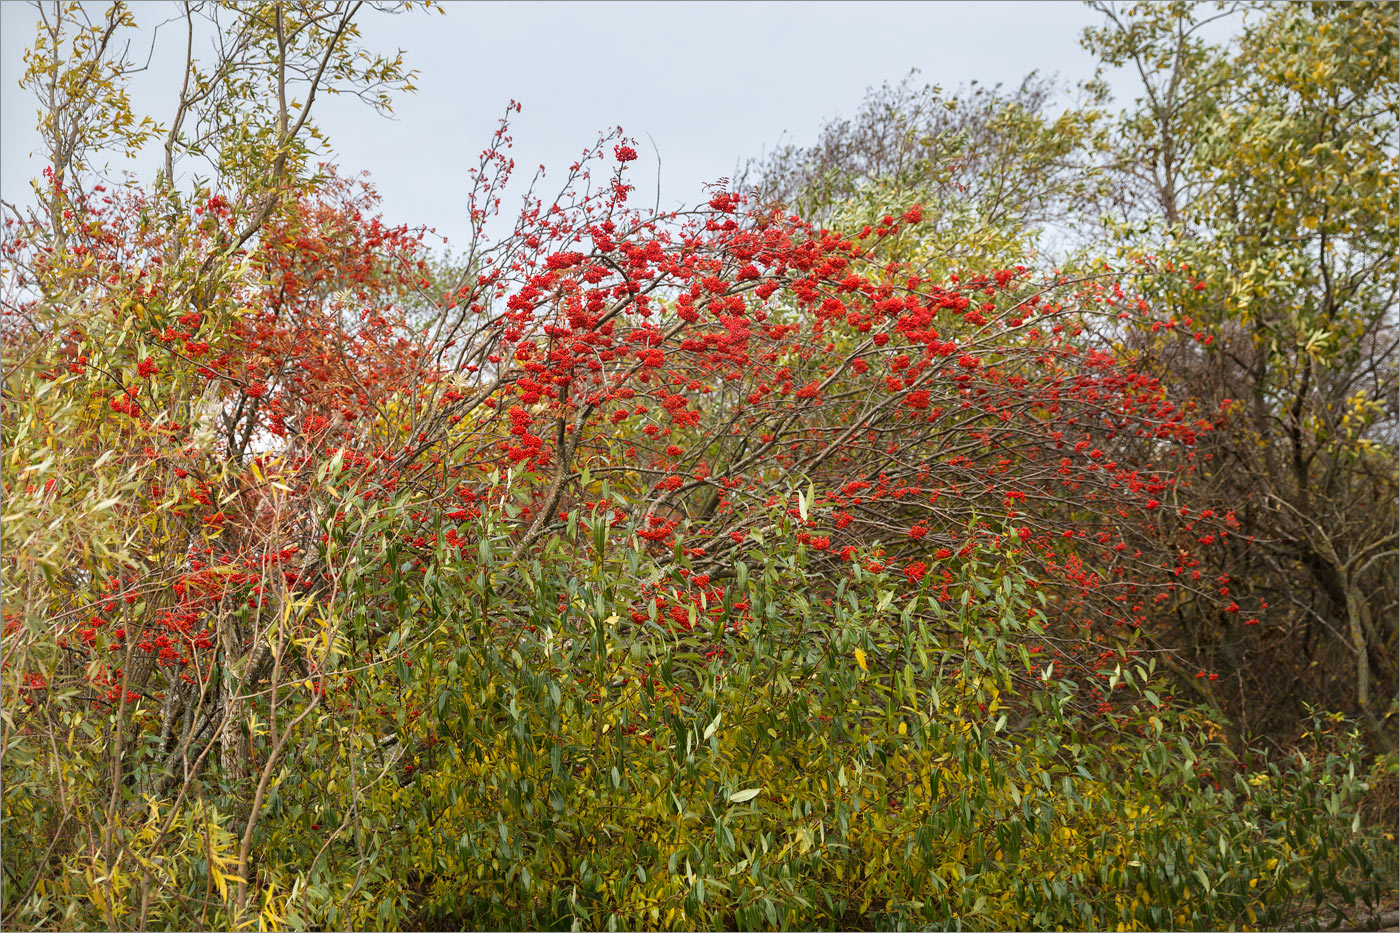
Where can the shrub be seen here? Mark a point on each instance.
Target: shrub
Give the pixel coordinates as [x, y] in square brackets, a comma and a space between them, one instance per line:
[797, 752]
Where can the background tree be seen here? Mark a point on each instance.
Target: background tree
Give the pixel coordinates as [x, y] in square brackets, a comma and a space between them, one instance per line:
[993, 169]
[1268, 165]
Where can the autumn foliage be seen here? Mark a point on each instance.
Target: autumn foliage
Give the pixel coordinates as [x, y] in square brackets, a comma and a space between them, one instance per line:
[637, 570]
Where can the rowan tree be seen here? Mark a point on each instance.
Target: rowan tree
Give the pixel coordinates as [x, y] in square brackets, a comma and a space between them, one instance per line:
[346, 588]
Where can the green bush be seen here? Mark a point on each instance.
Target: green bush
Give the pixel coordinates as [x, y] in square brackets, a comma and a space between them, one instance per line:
[868, 758]
[555, 745]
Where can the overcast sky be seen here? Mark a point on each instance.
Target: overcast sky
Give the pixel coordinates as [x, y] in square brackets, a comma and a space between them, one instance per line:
[710, 83]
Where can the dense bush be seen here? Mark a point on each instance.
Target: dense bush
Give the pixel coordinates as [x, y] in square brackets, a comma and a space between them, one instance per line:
[694, 570]
[855, 756]
[858, 755]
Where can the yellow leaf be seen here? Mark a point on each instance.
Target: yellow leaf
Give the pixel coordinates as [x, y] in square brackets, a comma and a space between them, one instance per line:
[860, 659]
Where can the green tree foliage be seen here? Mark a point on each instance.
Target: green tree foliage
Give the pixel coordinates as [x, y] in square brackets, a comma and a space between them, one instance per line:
[993, 169]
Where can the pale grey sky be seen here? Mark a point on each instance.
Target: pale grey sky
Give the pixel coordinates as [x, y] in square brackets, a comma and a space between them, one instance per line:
[711, 83]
